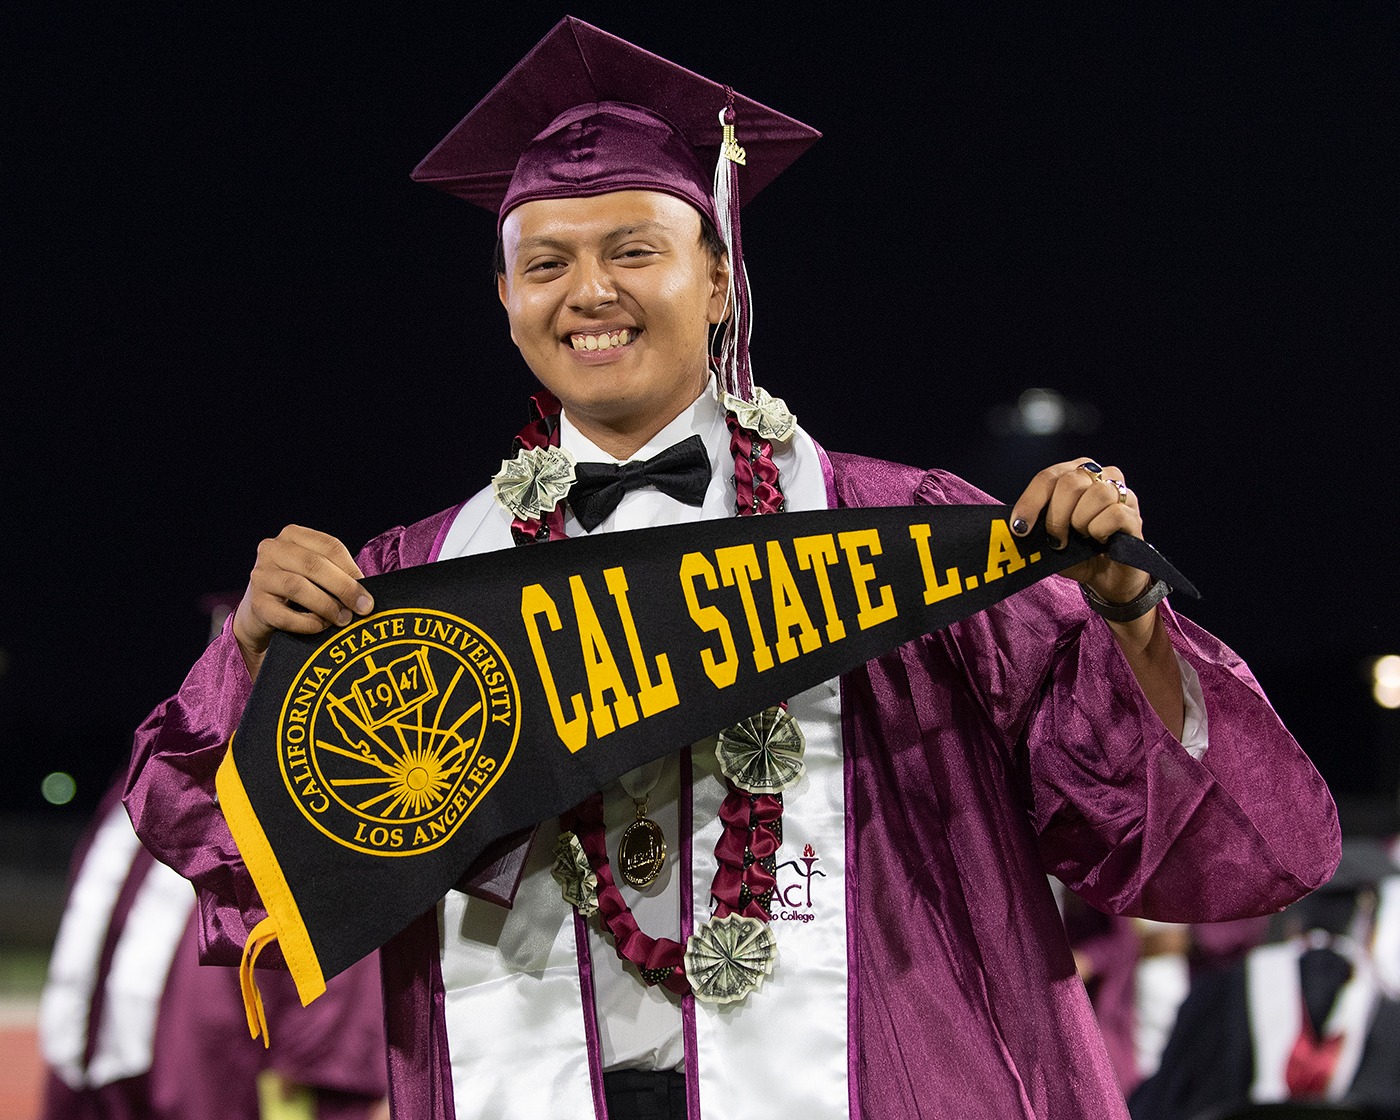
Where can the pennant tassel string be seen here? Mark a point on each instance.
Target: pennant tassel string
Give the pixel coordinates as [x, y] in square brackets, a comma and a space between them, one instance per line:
[263, 934]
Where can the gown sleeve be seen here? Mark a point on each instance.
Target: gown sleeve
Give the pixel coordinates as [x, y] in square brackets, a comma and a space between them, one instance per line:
[1124, 815]
[170, 785]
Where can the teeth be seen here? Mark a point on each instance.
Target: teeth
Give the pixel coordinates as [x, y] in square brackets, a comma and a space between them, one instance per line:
[601, 341]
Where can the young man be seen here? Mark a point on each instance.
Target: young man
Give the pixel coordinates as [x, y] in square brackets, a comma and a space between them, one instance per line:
[923, 969]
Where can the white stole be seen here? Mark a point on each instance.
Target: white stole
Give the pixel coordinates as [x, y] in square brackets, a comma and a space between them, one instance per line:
[519, 1023]
[146, 944]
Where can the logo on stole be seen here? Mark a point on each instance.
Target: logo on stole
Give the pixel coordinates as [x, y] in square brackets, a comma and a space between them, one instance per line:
[397, 727]
[792, 894]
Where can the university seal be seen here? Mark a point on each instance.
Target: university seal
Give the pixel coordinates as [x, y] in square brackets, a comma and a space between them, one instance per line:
[397, 727]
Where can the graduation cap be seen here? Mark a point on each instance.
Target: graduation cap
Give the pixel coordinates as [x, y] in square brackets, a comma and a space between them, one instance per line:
[586, 113]
[1364, 865]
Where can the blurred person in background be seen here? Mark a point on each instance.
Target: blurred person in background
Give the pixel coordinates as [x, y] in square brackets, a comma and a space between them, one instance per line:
[1304, 1020]
[132, 1027]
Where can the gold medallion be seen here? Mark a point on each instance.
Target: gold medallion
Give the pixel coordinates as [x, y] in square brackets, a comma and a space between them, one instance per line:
[641, 852]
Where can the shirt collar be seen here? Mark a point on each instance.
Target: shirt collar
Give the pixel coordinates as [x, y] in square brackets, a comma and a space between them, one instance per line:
[704, 418]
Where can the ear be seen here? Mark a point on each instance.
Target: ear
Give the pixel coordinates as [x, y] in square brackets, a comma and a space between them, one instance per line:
[718, 309]
[502, 294]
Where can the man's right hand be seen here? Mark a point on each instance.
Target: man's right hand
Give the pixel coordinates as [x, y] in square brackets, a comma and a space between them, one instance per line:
[303, 582]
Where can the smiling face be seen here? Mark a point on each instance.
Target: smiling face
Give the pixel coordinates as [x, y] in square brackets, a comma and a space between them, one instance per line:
[610, 301]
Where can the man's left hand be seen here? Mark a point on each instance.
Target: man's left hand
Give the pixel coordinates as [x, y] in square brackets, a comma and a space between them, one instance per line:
[1092, 500]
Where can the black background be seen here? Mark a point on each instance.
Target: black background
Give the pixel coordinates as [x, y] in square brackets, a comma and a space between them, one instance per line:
[227, 308]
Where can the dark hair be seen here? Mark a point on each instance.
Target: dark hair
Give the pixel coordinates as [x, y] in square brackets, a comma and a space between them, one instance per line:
[710, 240]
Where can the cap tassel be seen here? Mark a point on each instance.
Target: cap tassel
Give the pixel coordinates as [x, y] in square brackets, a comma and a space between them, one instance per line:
[263, 934]
[736, 377]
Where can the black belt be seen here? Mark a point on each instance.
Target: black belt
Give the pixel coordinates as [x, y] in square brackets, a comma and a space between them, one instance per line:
[644, 1094]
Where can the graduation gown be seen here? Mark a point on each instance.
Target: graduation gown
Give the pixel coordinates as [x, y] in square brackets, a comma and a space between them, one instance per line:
[1112, 948]
[973, 761]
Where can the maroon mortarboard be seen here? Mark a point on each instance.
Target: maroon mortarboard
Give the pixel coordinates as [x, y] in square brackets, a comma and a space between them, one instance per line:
[587, 113]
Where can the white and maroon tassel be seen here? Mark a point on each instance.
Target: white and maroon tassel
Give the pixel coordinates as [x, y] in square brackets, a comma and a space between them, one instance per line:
[734, 373]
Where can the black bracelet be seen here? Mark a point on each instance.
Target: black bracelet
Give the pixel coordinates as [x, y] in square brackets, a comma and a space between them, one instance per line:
[1126, 612]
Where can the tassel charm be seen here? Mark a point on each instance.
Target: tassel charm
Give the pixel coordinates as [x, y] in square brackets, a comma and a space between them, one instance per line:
[729, 146]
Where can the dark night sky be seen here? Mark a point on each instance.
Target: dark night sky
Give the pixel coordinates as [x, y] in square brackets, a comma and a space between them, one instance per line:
[227, 308]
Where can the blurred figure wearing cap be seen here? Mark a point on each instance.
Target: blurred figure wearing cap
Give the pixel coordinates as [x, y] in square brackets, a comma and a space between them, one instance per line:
[922, 969]
[1309, 1019]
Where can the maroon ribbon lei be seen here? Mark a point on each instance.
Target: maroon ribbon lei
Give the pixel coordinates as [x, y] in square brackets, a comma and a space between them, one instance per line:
[748, 845]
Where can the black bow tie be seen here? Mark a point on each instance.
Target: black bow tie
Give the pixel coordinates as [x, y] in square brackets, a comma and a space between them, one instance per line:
[682, 472]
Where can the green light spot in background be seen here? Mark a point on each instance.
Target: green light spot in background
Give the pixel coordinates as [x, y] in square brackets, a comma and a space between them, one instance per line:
[58, 788]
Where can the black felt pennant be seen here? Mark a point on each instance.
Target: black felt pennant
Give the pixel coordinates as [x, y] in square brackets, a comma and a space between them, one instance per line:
[491, 692]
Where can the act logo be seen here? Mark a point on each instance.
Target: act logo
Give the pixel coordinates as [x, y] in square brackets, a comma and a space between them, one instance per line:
[792, 895]
[396, 729]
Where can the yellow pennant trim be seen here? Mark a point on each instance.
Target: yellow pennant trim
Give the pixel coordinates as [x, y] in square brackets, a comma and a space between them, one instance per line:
[283, 923]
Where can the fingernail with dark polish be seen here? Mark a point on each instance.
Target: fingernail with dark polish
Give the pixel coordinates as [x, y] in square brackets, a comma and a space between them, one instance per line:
[1019, 527]
[1056, 543]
